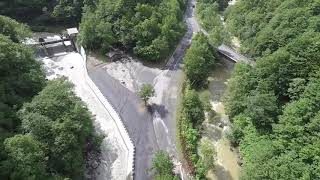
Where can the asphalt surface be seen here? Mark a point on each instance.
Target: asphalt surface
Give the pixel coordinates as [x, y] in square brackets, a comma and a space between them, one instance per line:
[135, 116]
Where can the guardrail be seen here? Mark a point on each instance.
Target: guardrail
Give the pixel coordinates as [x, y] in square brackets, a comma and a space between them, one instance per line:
[116, 118]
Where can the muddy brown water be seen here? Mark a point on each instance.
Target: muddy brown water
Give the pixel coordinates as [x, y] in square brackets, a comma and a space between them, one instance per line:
[226, 167]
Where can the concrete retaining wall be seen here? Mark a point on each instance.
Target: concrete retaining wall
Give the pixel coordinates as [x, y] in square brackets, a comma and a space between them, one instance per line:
[116, 118]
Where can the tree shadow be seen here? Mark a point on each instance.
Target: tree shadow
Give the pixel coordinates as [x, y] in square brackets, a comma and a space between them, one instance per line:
[101, 167]
[160, 109]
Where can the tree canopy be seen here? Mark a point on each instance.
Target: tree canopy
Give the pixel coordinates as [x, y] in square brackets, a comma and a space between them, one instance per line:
[208, 14]
[46, 132]
[44, 12]
[163, 166]
[59, 119]
[273, 104]
[199, 60]
[146, 92]
[21, 78]
[27, 160]
[13, 30]
[148, 28]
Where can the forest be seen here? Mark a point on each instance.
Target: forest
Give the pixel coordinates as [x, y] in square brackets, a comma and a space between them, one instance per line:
[209, 16]
[274, 106]
[46, 131]
[41, 13]
[148, 29]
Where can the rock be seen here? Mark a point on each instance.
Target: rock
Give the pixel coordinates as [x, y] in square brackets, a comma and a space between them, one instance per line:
[95, 165]
[226, 129]
[239, 161]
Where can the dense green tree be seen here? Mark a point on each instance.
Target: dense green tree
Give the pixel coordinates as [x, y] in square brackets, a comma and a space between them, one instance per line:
[193, 107]
[262, 109]
[163, 166]
[21, 78]
[273, 105]
[206, 161]
[60, 120]
[239, 128]
[296, 88]
[27, 158]
[208, 14]
[146, 92]
[89, 39]
[199, 60]
[238, 89]
[56, 132]
[68, 9]
[265, 26]
[148, 28]
[292, 151]
[15, 31]
[44, 12]
[190, 118]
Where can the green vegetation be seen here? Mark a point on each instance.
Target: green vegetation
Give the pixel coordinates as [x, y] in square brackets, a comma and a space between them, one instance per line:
[26, 158]
[163, 166]
[190, 118]
[265, 26]
[208, 14]
[21, 77]
[149, 29]
[274, 106]
[207, 160]
[57, 132]
[146, 92]
[59, 120]
[46, 131]
[44, 12]
[198, 60]
[15, 31]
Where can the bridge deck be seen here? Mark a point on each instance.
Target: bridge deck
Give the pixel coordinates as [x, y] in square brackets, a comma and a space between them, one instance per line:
[233, 55]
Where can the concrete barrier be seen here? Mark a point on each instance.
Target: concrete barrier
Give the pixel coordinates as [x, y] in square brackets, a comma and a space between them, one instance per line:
[116, 118]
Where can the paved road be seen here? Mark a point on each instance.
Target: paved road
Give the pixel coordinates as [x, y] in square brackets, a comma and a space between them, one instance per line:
[135, 117]
[192, 27]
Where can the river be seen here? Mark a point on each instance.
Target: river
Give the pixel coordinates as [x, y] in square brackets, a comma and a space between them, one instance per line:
[226, 167]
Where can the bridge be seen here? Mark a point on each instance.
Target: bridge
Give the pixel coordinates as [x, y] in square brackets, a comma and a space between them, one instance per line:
[234, 55]
[230, 53]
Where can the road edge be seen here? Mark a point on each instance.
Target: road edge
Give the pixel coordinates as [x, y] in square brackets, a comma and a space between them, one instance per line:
[115, 117]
